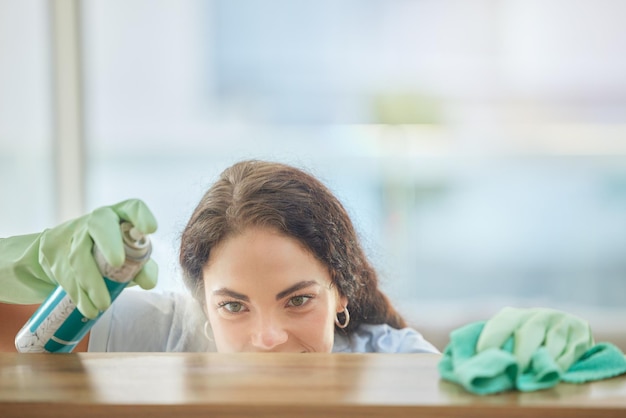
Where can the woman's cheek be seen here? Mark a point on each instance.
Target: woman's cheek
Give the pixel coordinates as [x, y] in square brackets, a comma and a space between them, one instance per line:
[318, 331]
[224, 333]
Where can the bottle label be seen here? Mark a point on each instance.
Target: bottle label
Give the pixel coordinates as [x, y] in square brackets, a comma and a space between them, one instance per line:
[57, 326]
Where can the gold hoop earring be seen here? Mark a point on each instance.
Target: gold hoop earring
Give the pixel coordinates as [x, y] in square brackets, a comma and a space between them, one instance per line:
[347, 320]
[207, 333]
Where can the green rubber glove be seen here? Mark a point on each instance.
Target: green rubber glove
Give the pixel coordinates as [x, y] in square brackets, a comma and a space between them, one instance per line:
[565, 336]
[32, 266]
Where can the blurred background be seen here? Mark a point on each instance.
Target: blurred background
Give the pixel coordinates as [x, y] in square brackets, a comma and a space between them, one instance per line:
[479, 145]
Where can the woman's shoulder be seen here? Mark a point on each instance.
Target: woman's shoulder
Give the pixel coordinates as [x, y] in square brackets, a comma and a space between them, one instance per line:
[382, 338]
[150, 321]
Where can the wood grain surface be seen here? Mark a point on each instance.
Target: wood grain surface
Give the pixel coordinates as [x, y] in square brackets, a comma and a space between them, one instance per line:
[271, 385]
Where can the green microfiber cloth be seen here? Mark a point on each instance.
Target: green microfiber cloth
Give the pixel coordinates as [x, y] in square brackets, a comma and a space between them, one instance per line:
[484, 357]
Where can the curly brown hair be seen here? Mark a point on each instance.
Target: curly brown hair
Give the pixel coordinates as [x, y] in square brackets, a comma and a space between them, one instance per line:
[282, 197]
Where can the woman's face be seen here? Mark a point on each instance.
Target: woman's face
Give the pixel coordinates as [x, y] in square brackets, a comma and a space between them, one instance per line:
[265, 292]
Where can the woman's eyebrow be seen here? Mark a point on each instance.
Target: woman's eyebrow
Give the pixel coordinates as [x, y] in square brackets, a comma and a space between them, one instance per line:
[224, 291]
[296, 287]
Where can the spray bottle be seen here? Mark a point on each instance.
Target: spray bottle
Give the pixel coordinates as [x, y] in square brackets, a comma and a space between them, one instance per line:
[57, 325]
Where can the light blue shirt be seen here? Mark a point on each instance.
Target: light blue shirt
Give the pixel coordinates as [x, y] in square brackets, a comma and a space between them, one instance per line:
[140, 321]
[381, 338]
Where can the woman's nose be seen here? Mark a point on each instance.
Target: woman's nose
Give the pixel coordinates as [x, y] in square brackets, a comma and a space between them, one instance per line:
[268, 334]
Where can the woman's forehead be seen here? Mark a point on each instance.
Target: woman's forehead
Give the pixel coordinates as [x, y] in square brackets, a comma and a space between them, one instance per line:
[263, 255]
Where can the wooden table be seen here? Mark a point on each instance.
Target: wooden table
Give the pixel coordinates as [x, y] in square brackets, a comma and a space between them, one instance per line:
[271, 385]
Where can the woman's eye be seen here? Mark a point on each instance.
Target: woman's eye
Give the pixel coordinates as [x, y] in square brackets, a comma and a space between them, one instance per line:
[234, 307]
[299, 300]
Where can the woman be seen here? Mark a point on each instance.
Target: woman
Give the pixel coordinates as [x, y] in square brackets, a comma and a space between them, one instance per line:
[274, 262]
